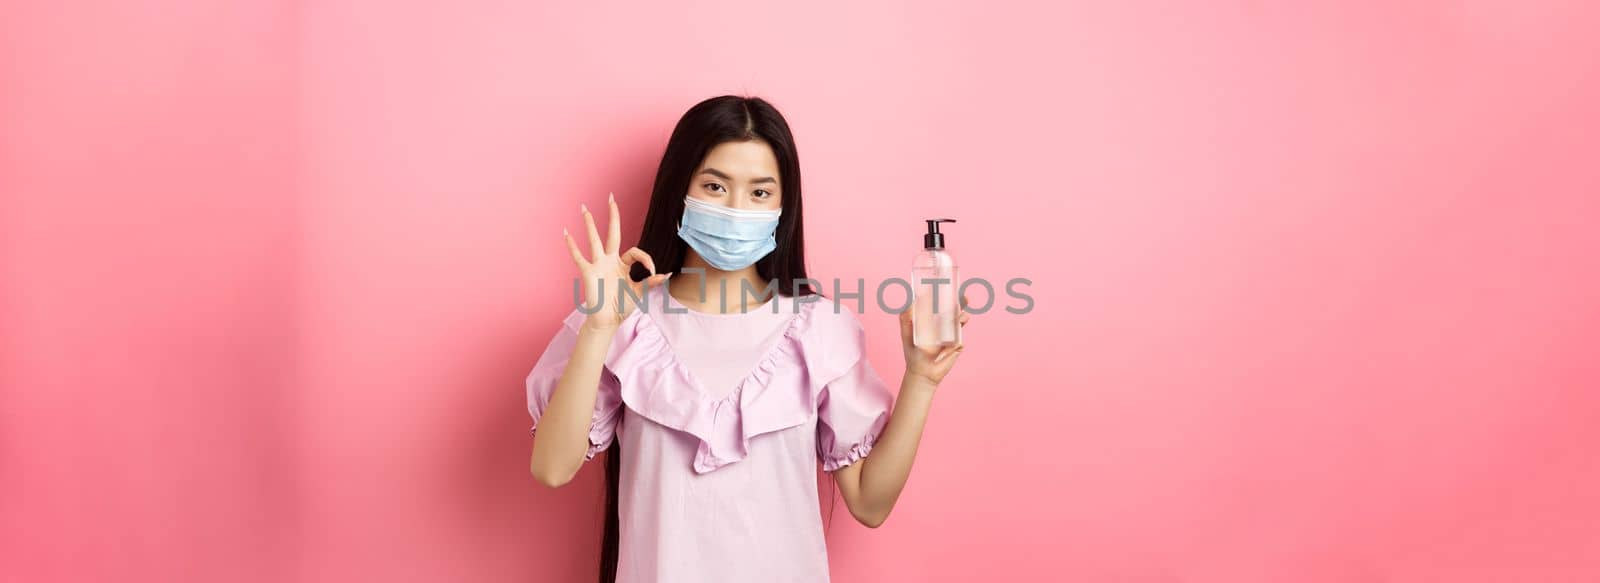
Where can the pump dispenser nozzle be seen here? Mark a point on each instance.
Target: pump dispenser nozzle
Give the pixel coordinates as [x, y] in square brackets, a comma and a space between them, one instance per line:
[934, 239]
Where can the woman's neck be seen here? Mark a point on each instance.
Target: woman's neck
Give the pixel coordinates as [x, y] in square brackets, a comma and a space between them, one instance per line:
[716, 290]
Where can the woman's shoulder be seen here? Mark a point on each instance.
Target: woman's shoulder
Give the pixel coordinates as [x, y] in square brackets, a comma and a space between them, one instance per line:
[826, 318]
[831, 336]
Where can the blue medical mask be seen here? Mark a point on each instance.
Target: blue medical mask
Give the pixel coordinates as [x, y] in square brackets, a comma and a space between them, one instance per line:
[728, 239]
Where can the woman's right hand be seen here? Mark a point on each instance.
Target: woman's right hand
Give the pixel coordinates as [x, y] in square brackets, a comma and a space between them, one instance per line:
[609, 271]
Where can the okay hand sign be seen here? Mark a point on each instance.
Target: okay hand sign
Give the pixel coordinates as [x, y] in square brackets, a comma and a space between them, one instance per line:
[606, 277]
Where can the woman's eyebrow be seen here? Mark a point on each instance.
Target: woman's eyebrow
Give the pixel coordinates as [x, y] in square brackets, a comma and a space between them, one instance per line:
[724, 176]
[717, 173]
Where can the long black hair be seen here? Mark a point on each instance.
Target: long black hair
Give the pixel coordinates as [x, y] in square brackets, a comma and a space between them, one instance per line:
[728, 118]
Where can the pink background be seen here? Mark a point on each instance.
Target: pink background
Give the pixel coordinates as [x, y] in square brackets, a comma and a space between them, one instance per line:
[1317, 283]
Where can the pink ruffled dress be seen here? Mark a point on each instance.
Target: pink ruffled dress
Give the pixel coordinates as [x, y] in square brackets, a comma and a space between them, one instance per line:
[723, 419]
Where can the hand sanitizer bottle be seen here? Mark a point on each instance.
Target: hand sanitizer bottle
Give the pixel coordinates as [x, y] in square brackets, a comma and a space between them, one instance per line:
[934, 307]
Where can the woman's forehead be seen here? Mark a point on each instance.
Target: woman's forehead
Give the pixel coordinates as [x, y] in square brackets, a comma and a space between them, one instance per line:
[743, 160]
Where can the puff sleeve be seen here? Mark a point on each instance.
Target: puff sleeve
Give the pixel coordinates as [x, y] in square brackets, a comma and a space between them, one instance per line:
[541, 384]
[852, 411]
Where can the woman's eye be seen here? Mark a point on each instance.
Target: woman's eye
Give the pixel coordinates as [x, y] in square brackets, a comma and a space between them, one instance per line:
[762, 194]
[713, 187]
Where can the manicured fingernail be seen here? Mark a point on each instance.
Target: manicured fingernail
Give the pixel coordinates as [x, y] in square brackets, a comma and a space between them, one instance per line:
[611, 196]
[583, 207]
[564, 232]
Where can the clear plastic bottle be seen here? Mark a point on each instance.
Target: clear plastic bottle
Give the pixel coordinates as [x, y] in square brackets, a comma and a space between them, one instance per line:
[934, 307]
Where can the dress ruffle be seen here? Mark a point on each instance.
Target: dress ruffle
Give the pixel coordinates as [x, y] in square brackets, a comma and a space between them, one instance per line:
[853, 455]
[782, 391]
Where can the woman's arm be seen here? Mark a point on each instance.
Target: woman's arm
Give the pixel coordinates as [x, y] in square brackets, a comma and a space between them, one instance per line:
[871, 486]
[562, 438]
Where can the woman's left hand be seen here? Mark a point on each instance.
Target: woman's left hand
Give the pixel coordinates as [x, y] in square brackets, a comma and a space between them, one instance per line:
[929, 363]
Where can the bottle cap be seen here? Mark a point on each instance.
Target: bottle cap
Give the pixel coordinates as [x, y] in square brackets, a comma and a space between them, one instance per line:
[934, 239]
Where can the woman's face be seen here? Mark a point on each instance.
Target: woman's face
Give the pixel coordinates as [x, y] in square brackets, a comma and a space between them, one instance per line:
[741, 175]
